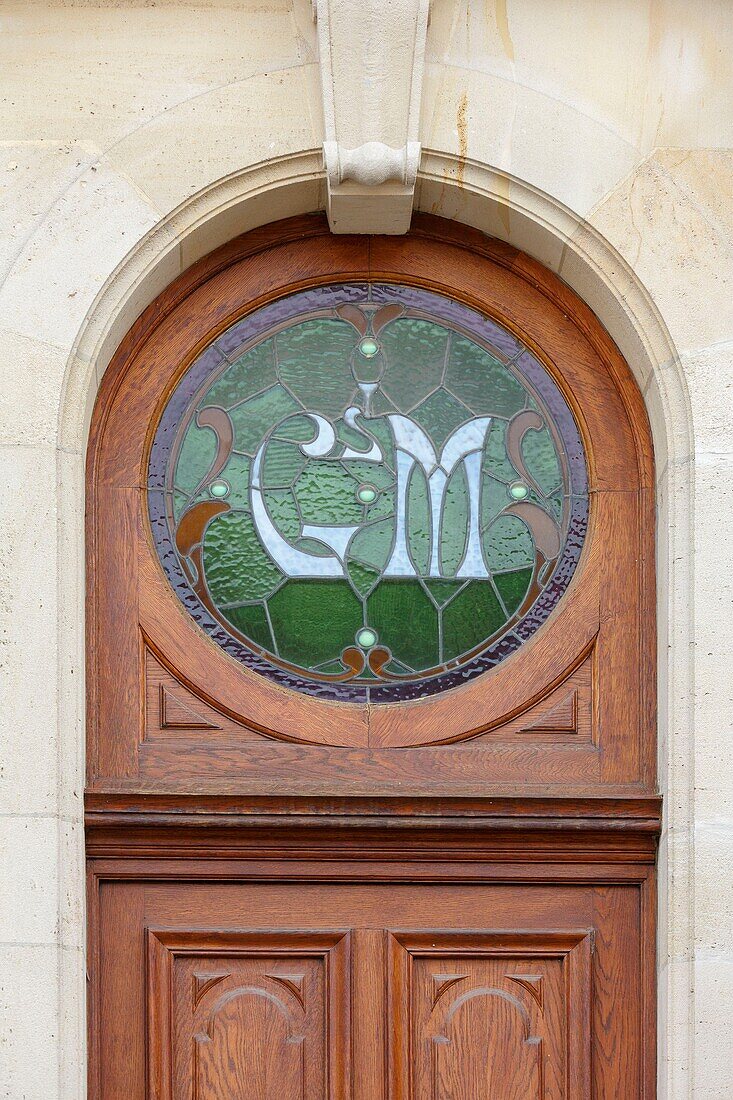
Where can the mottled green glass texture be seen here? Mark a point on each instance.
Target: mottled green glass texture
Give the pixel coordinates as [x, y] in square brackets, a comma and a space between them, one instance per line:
[368, 499]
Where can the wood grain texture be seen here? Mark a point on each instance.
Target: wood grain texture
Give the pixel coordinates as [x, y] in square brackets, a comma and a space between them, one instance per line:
[522, 829]
[231, 890]
[500, 1014]
[505, 985]
[564, 714]
[608, 608]
[261, 1015]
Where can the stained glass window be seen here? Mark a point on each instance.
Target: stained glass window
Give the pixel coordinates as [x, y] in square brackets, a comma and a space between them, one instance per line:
[368, 492]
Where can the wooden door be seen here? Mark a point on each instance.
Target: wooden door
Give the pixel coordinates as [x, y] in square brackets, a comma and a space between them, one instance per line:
[371, 801]
[353, 964]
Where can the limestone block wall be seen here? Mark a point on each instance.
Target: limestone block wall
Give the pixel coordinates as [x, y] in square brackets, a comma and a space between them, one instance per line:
[137, 135]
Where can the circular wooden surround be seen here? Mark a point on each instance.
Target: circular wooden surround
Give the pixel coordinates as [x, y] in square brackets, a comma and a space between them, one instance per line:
[599, 639]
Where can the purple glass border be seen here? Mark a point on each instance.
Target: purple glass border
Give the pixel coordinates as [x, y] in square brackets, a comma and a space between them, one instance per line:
[441, 308]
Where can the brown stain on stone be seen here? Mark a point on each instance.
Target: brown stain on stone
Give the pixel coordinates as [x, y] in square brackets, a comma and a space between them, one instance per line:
[462, 127]
[502, 188]
[501, 15]
[502, 25]
[437, 206]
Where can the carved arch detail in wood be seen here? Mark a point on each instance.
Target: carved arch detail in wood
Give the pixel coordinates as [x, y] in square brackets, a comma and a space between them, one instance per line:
[538, 1047]
[253, 1010]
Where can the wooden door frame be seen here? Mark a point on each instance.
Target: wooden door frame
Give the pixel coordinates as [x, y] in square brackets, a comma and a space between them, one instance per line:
[215, 827]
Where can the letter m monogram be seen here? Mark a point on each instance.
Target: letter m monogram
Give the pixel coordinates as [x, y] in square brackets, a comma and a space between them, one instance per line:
[413, 447]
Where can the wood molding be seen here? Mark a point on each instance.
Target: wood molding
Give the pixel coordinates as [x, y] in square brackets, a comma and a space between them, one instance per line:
[524, 806]
[524, 830]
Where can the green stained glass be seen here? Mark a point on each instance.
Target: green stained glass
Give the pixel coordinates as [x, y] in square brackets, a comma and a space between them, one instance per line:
[395, 605]
[251, 620]
[555, 504]
[496, 460]
[493, 499]
[253, 419]
[455, 523]
[369, 473]
[298, 429]
[377, 481]
[541, 459]
[326, 494]
[473, 615]
[195, 459]
[415, 353]
[443, 592]
[312, 546]
[512, 587]
[180, 502]
[381, 404]
[237, 566]
[372, 544]
[252, 372]
[351, 438]
[283, 463]
[298, 612]
[236, 474]
[383, 506]
[283, 509]
[440, 415]
[378, 431]
[419, 522]
[481, 381]
[313, 362]
[362, 578]
[509, 544]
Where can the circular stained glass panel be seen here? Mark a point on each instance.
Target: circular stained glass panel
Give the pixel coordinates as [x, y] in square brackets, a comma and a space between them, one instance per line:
[368, 492]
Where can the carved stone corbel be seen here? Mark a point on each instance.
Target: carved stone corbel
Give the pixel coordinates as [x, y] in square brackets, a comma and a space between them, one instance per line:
[372, 56]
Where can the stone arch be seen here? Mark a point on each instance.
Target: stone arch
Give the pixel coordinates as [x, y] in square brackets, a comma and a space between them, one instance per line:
[502, 206]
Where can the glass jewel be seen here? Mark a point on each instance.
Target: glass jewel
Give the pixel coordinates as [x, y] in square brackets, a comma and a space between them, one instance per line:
[368, 492]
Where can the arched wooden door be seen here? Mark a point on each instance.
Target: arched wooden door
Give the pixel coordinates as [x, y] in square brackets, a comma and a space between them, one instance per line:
[371, 745]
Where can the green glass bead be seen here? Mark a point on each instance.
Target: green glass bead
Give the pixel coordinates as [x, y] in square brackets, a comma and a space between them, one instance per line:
[366, 637]
[366, 494]
[518, 491]
[219, 489]
[368, 348]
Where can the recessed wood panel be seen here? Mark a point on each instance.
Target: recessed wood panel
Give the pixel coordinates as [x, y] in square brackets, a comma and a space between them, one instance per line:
[252, 1015]
[491, 1014]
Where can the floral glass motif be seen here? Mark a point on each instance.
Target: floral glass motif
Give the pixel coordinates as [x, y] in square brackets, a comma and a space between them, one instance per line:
[368, 492]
